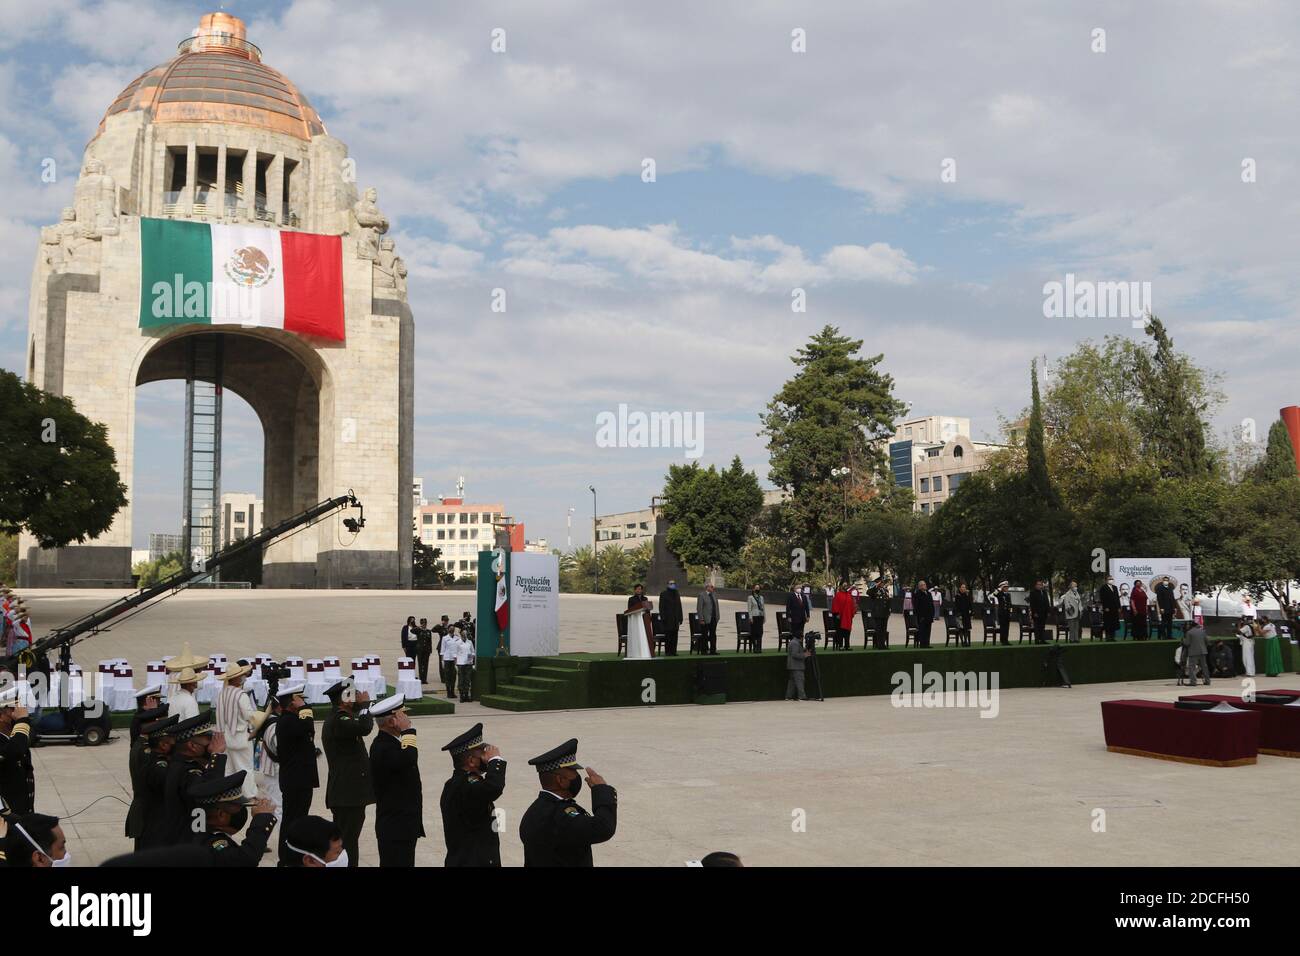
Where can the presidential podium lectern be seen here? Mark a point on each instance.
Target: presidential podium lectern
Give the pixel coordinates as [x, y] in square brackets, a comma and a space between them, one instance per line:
[640, 632]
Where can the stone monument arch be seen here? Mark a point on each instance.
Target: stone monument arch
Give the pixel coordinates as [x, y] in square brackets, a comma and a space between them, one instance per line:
[215, 136]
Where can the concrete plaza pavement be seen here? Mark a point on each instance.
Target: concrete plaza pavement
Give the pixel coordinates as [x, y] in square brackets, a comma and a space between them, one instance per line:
[851, 781]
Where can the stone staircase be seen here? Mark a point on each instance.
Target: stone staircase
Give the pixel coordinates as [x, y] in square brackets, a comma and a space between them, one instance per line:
[546, 685]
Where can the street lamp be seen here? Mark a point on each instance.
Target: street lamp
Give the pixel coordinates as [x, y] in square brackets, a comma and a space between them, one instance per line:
[595, 554]
[845, 473]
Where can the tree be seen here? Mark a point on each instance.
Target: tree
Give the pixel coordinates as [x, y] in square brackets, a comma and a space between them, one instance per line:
[8, 557]
[1266, 547]
[1040, 483]
[971, 537]
[1278, 463]
[710, 512]
[829, 416]
[881, 539]
[58, 470]
[765, 561]
[1173, 415]
[151, 572]
[426, 569]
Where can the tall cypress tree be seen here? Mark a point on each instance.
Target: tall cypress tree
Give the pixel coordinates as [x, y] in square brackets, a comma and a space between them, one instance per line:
[1174, 408]
[1278, 462]
[1040, 483]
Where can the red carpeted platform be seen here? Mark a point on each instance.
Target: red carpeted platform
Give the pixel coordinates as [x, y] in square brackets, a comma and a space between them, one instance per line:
[1279, 724]
[1156, 728]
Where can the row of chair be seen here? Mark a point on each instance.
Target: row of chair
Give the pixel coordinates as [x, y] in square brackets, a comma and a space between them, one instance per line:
[875, 629]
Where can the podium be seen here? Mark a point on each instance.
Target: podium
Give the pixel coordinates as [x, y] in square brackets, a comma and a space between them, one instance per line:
[640, 636]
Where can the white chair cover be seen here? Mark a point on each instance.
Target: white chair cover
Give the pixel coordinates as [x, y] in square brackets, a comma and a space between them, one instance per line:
[361, 676]
[124, 688]
[315, 692]
[377, 679]
[297, 672]
[408, 681]
[333, 670]
[156, 673]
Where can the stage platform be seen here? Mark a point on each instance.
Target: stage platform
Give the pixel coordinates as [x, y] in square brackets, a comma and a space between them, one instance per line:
[605, 680]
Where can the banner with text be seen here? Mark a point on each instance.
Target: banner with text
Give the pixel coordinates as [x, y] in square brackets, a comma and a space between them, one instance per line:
[1148, 570]
[534, 604]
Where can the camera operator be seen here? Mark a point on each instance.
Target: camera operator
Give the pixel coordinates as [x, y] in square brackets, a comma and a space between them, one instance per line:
[797, 651]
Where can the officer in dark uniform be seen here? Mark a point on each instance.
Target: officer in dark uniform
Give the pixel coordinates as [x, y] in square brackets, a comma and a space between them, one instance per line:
[1003, 597]
[556, 831]
[147, 700]
[199, 750]
[399, 797]
[17, 776]
[348, 790]
[468, 811]
[295, 740]
[153, 821]
[1110, 608]
[222, 800]
[143, 806]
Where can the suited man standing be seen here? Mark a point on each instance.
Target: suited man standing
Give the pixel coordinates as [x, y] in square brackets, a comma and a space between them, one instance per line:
[796, 614]
[923, 611]
[1110, 606]
[879, 596]
[707, 612]
[1003, 597]
[670, 617]
[1039, 604]
[1167, 602]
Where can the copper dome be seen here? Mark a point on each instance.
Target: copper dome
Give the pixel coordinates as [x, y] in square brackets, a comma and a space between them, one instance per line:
[217, 76]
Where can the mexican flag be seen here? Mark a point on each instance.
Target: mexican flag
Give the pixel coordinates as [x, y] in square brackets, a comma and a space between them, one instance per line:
[503, 601]
[198, 272]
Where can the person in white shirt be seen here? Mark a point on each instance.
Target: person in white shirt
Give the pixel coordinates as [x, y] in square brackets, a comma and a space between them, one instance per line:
[465, 667]
[184, 672]
[450, 645]
[1246, 634]
[1248, 607]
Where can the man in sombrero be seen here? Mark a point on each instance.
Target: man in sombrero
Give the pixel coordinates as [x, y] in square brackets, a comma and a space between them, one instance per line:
[234, 718]
[184, 673]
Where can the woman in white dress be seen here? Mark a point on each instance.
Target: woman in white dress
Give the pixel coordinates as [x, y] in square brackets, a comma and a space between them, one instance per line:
[1246, 634]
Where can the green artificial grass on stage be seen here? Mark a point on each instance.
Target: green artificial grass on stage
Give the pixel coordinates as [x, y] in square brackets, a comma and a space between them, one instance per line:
[572, 681]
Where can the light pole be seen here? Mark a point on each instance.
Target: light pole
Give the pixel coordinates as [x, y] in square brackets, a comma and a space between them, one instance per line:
[844, 473]
[568, 529]
[595, 554]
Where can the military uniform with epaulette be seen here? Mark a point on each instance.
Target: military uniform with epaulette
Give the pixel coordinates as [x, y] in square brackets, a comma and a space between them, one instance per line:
[17, 775]
[144, 802]
[295, 742]
[399, 796]
[555, 830]
[468, 810]
[183, 774]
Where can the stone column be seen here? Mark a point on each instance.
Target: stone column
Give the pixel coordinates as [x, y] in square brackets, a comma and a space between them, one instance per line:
[275, 189]
[250, 184]
[221, 181]
[191, 177]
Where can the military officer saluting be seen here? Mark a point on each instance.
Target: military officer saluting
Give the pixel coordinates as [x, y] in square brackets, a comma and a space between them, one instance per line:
[295, 741]
[199, 750]
[17, 776]
[142, 758]
[468, 812]
[399, 798]
[348, 790]
[221, 797]
[556, 831]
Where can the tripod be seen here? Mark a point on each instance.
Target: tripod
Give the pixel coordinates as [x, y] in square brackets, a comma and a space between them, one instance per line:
[816, 671]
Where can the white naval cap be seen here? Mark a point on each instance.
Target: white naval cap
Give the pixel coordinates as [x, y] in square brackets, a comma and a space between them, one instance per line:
[387, 705]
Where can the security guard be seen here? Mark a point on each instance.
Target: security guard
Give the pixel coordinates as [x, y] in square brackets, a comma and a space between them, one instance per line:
[153, 832]
[17, 776]
[1003, 597]
[142, 757]
[556, 831]
[222, 798]
[199, 750]
[295, 739]
[399, 797]
[468, 813]
[348, 790]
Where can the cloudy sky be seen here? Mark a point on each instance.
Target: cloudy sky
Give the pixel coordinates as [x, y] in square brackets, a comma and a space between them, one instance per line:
[775, 169]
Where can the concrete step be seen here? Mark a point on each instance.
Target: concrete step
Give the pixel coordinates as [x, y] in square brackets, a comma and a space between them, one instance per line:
[507, 702]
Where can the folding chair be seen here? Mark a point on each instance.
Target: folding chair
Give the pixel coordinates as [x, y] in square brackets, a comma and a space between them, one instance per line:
[783, 630]
[620, 624]
[743, 638]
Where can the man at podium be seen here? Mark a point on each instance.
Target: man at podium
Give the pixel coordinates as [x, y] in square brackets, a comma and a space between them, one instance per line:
[640, 632]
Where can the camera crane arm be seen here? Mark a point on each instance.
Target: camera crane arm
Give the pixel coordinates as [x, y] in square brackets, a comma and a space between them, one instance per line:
[102, 618]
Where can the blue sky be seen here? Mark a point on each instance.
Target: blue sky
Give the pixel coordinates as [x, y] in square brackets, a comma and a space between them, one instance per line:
[774, 170]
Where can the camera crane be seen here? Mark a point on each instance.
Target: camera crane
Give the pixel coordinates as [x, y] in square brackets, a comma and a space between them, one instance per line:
[108, 615]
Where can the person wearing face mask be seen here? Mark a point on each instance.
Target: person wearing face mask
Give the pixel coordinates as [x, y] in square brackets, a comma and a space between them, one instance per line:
[36, 840]
[399, 796]
[757, 615]
[17, 775]
[221, 797]
[468, 811]
[315, 843]
[198, 751]
[555, 830]
[670, 617]
[1003, 597]
[348, 788]
[1110, 608]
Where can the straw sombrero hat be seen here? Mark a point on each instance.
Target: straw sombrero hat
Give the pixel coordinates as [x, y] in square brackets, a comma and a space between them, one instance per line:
[240, 669]
[185, 662]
